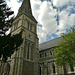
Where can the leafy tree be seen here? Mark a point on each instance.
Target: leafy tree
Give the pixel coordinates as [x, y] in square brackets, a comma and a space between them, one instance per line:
[65, 51]
[8, 43]
[5, 22]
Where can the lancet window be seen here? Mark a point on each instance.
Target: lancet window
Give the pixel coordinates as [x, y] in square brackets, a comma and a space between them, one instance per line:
[32, 51]
[28, 52]
[72, 68]
[53, 68]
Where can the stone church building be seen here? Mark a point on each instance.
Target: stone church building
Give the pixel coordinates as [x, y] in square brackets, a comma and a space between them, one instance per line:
[31, 58]
[46, 60]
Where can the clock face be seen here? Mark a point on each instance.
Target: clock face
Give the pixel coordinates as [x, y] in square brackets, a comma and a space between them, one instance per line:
[30, 37]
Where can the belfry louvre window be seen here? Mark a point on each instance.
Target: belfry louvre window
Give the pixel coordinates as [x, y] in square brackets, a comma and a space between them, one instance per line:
[28, 52]
[28, 25]
[31, 27]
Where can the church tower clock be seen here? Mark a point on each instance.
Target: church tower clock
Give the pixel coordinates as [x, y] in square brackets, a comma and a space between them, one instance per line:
[25, 60]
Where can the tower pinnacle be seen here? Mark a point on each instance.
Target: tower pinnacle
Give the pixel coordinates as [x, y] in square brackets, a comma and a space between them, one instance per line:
[25, 8]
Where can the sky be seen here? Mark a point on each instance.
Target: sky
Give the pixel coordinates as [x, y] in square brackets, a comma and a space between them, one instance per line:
[53, 16]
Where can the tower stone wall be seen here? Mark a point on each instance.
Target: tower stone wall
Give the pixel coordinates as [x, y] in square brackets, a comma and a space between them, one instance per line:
[24, 61]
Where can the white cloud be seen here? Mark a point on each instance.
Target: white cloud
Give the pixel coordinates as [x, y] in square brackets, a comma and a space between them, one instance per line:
[14, 4]
[61, 3]
[35, 4]
[46, 16]
[66, 19]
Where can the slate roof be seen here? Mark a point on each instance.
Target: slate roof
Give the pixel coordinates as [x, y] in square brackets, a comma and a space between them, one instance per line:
[49, 44]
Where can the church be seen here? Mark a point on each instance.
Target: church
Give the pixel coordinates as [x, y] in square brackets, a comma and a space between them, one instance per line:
[31, 58]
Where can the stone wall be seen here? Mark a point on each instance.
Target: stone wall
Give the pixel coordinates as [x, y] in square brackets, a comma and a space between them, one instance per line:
[30, 68]
[4, 68]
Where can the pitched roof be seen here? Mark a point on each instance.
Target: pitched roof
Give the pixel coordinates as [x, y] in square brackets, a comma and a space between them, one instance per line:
[49, 44]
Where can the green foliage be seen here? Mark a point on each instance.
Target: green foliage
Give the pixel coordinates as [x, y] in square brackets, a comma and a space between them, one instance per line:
[5, 22]
[8, 43]
[65, 51]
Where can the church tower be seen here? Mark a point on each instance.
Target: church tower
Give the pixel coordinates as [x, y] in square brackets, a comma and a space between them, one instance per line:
[25, 60]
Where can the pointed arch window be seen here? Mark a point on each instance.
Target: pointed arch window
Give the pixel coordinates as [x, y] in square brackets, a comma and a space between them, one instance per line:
[72, 68]
[28, 25]
[40, 55]
[45, 54]
[25, 47]
[32, 46]
[31, 27]
[50, 52]
[28, 52]
[53, 68]
[40, 70]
